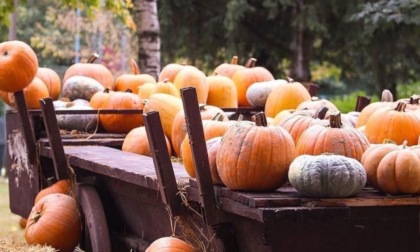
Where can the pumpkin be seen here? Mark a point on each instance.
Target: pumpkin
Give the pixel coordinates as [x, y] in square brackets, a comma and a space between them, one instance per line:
[228, 69]
[315, 103]
[166, 87]
[286, 96]
[169, 72]
[179, 126]
[97, 100]
[79, 122]
[18, 65]
[81, 87]
[190, 76]
[329, 176]
[258, 92]
[282, 114]
[136, 141]
[146, 90]
[255, 157]
[167, 244]
[212, 128]
[412, 102]
[134, 80]
[222, 92]
[92, 70]
[22, 222]
[247, 76]
[61, 186]
[35, 91]
[51, 80]
[213, 145]
[394, 124]
[121, 123]
[334, 138]
[167, 106]
[387, 100]
[55, 221]
[296, 123]
[393, 169]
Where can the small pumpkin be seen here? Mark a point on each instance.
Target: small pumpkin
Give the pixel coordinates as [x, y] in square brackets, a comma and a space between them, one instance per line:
[62, 186]
[18, 65]
[258, 92]
[51, 80]
[170, 244]
[35, 91]
[92, 70]
[329, 176]
[136, 141]
[55, 221]
[80, 87]
[134, 80]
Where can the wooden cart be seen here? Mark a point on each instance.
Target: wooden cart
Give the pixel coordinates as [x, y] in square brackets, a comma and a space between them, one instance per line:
[128, 200]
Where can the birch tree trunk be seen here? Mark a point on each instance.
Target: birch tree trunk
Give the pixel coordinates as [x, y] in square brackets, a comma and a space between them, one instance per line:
[148, 33]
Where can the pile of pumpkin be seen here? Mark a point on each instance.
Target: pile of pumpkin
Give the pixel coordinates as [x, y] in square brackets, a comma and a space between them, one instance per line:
[296, 138]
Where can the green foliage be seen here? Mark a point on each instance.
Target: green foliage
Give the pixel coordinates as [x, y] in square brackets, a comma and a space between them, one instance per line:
[407, 90]
[346, 103]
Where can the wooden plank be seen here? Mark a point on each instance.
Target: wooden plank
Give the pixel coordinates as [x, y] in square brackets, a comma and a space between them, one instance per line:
[126, 166]
[110, 142]
[166, 178]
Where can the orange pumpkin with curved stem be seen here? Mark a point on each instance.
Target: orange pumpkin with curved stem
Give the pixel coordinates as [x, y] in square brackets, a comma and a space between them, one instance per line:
[18, 65]
[132, 81]
[93, 70]
[228, 69]
[51, 80]
[243, 78]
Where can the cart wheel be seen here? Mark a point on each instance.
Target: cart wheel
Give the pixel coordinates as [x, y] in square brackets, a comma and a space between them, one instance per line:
[96, 234]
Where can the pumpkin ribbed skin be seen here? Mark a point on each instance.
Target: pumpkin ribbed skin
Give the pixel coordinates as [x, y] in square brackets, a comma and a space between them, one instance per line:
[61, 186]
[18, 65]
[170, 244]
[285, 96]
[336, 139]
[332, 176]
[136, 141]
[51, 80]
[121, 123]
[255, 158]
[97, 100]
[400, 126]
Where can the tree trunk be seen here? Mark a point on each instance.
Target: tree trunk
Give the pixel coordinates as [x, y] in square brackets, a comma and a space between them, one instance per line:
[301, 48]
[148, 33]
[12, 28]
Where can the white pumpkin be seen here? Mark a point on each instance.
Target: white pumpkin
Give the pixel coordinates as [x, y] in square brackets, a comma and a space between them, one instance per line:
[81, 87]
[80, 122]
[258, 92]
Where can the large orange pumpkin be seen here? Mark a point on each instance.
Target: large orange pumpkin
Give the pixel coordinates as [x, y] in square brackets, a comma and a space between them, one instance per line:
[255, 157]
[243, 78]
[170, 244]
[191, 76]
[93, 70]
[18, 65]
[55, 221]
[51, 80]
[334, 138]
[132, 81]
[394, 124]
[121, 123]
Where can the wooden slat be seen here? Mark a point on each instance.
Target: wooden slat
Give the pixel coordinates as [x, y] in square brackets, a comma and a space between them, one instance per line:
[110, 142]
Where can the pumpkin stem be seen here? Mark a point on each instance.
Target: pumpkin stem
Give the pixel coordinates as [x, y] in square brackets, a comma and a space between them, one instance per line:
[401, 107]
[314, 98]
[129, 90]
[260, 119]
[134, 67]
[218, 117]
[92, 58]
[36, 217]
[234, 60]
[240, 117]
[387, 96]
[404, 144]
[289, 80]
[335, 120]
[106, 90]
[250, 62]
[320, 112]
[414, 99]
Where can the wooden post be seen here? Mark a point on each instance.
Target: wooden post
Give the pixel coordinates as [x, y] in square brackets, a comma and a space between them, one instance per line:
[361, 103]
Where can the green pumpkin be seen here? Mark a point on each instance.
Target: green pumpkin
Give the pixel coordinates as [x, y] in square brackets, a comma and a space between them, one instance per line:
[80, 87]
[327, 176]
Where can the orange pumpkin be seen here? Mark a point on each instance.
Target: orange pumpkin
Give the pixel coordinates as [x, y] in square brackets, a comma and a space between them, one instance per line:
[394, 124]
[97, 100]
[169, 244]
[146, 90]
[18, 65]
[51, 80]
[213, 146]
[121, 123]
[255, 157]
[169, 72]
[222, 92]
[132, 81]
[166, 87]
[387, 100]
[93, 70]
[286, 96]
[33, 92]
[228, 69]
[61, 186]
[334, 138]
[55, 221]
[190, 76]
[136, 141]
